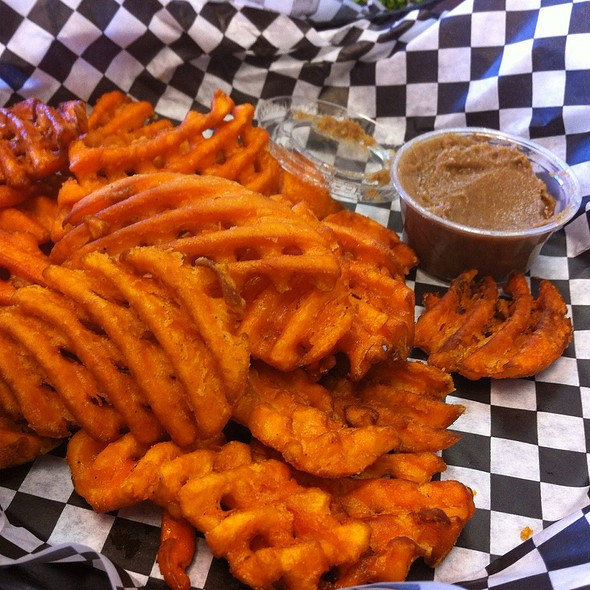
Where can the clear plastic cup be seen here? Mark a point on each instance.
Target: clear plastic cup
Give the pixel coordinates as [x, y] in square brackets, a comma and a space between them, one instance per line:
[445, 248]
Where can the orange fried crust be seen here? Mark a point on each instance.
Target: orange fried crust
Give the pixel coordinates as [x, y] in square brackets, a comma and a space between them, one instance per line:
[170, 295]
[477, 333]
[275, 526]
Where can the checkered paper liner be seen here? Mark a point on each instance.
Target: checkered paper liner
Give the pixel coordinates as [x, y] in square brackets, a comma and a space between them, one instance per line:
[522, 66]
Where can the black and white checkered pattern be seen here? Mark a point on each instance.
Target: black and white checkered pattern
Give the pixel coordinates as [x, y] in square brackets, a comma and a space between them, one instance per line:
[522, 66]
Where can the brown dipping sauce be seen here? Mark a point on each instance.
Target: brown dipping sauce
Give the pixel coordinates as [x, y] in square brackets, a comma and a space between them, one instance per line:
[468, 180]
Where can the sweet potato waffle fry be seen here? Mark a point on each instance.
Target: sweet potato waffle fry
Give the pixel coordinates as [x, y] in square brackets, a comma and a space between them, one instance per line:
[78, 390]
[123, 140]
[90, 344]
[346, 305]
[274, 525]
[19, 444]
[406, 520]
[183, 294]
[203, 217]
[82, 344]
[176, 551]
[377, 262]
[354, 424]
[34, 142]
[365, 240]
[22, 262]
[28, 393]
[297, 418]
[405, 395]
[298, 327]
[475, 332]
[35, 216]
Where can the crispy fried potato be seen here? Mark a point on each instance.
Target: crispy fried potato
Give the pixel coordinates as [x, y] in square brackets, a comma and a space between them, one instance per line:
[407, 521]
[477, 333]
[300, 537]
[34, 139]
[416, 467]
[184, 342]
[122, 473]
[78, 390]
[548, 335]
[399, 396]
[383, 325]
[160, 386]
[9, 406]
[18, 444]
[175, 262]
[30, 386]
[21, 263]
[457, 320]
[298, 327]
[203, 217]
[296, 417]
[209, 297]
[98, 354]
[508, 323]
[34, 217]
[368, 241]
[274, 525]
[122, 142]
[309, 186]
[176, 551]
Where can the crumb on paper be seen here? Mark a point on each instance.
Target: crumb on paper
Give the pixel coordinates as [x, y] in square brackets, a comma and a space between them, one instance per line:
[526, 533]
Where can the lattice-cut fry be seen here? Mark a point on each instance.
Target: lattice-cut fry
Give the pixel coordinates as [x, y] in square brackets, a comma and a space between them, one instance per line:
[296, 417]
[457, 321]
[35, 216]
[115, 112]
[34, 139]
[548, 335]
[475, 332]
[367, 240]
[174, 475]
[14, 220]
[208, 295]
[430, 516]
[485, 356]
[419, 418]
[122, 473]
[299, 537]
[277, 243]
[114, 206]
[160, 386]
[309, 186]
[273, 525]
[37, 401]
[9, 406]
[43, 210]
[413, 376]
[222, 142]
[203, 217]
[298, 327]
[18, 444]
[74, 384]
[21, 263]
[176, 551]
[185, 342]
[416, 467]
[98, 354]
[383, 325]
